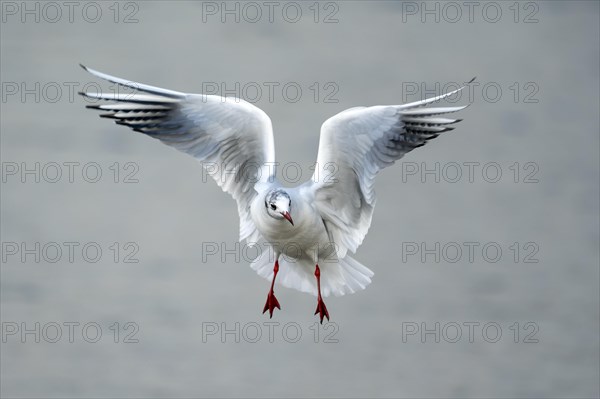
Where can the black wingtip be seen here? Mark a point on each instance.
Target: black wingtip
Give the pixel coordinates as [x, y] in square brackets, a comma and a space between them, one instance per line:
[84, 67]
[472, 80]
[448, 129]
[432, 136]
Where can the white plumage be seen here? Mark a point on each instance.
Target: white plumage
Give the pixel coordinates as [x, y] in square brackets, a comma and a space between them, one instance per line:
[317, 222]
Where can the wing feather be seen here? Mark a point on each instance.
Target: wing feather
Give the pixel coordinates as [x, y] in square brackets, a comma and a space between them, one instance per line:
[358, 143]
[231, 138]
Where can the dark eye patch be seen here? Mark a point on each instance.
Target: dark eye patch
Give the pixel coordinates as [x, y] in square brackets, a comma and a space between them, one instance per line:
[273, 206]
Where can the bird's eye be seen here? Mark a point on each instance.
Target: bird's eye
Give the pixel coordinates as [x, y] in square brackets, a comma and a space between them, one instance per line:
[273, 206]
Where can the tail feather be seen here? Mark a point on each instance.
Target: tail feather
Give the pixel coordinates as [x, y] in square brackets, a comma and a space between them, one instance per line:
[339, 277]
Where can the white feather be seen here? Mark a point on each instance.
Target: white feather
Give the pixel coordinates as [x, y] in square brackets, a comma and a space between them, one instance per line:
[234, 141]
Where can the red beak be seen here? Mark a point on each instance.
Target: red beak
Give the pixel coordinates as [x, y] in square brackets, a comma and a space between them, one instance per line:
[288, 217]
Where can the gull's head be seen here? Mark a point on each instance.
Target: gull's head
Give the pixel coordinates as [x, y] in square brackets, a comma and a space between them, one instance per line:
[279, 205]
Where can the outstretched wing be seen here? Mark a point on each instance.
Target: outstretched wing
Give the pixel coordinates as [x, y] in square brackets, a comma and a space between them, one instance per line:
[231, 138]
[355, 145]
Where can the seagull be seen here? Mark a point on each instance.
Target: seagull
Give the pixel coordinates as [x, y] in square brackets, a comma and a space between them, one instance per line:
[309, 229]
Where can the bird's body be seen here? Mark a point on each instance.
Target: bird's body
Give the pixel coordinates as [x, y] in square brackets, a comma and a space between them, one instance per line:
[309, 229]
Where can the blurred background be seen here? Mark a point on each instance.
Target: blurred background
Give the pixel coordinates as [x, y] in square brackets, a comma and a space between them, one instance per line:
[484, 243]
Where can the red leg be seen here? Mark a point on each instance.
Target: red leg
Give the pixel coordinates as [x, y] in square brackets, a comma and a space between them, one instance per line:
[272, 302]
[321, 308]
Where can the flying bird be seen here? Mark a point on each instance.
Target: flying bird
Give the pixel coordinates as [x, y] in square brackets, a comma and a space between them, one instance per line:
[310, 228]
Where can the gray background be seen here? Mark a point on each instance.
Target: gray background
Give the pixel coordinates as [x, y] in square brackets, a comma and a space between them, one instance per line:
[370, 54]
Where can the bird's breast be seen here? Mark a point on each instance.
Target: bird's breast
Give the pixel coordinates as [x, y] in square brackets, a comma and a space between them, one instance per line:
[307, 234]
